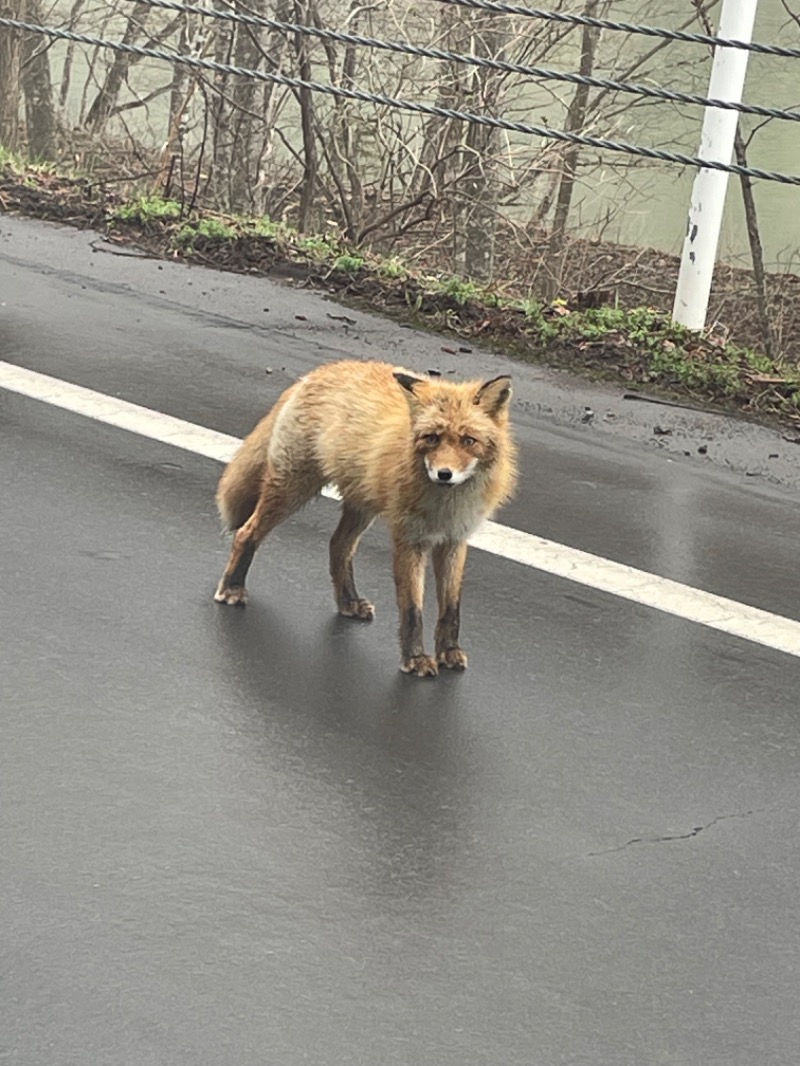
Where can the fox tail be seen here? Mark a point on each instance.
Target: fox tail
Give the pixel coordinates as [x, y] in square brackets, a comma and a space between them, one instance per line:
[240, 485]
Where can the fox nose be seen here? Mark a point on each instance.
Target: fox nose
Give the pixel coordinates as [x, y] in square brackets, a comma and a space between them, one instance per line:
[444, 474]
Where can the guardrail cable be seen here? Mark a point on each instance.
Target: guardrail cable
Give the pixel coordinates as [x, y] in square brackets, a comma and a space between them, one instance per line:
[400, 104]
[500, 65]
[498, 8]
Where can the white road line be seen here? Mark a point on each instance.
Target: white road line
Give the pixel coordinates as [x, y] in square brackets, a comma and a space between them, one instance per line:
[671, 597]
[119, 413]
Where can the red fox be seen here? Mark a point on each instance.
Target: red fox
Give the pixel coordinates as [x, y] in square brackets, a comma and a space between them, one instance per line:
[432, 458]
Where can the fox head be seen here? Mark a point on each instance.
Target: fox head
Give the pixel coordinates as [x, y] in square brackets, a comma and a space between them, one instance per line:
[457, 427]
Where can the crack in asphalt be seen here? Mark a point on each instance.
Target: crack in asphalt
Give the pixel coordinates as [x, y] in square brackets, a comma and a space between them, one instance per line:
[693, 832]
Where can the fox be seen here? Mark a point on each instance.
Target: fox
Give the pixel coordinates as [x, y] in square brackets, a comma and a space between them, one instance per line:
[432, 458]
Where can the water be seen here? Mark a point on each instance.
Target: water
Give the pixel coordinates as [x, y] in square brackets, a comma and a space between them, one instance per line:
[657, 197]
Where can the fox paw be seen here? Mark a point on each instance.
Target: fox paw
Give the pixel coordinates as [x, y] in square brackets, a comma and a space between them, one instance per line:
[234, 597]
[360, 609]
[421, 665]
[452, 659]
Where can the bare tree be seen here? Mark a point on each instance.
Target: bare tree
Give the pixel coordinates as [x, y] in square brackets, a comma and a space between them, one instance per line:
[479, 202]
[66, 71]
[576, 118]
[308, 189]
[9, 76]
[438, 189]
[441, 136]
[106, 99]
[37, 87]
[756, 246]
[247, 53]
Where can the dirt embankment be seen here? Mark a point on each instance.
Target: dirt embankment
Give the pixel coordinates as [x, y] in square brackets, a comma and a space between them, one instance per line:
[595, 329]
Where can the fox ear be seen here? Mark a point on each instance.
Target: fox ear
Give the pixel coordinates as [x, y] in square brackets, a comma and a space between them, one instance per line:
[408, 381]
[493, 396]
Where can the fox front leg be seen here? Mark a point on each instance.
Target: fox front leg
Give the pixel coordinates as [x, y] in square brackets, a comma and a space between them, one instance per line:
[409, 579]
[449, 560]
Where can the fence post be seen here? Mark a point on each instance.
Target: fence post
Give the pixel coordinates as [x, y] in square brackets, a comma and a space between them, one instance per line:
[716, 143]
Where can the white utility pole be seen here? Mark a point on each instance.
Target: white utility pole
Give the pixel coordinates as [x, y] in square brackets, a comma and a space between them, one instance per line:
[716, 143]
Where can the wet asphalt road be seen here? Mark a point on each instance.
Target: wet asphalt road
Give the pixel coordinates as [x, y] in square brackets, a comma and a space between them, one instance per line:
[242, 837]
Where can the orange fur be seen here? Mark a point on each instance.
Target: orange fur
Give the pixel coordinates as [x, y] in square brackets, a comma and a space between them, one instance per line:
[432, 458]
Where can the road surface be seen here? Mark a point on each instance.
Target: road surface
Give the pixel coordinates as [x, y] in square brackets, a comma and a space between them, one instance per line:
[243, 837]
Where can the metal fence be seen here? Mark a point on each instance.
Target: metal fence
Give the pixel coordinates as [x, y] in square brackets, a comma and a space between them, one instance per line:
[534, 72]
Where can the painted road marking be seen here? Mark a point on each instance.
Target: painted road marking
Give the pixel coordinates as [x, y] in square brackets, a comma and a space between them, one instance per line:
[660, 593]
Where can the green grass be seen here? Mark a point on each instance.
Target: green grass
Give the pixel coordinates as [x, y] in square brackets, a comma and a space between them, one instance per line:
[204, 227]
[265, 227]
[666, 354]
[643, 339]
[535, 316]
[637, 345]
[26, 168]
[463, 292]
[392, 268]
[320, 247]
[146, 209]
[350, 263]
[11, 160]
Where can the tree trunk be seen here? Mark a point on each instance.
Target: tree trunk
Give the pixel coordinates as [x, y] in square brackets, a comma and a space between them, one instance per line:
[179, 81]
[66, 69]
[217, 183]
[106, 99]
[756, 248]
[310, 161]
[37, 86]
[441, 136]
[576, 117]
[266, 103]
[479, 201]
[9, 77]
[348, 139]
[244, 160]
[479, 206]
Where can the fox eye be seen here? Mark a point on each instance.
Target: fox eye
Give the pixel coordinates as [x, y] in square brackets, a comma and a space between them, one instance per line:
[468, 441]
[431, 438]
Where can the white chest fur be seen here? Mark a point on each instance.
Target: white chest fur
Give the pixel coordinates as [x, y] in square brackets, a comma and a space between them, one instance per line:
[448, 513]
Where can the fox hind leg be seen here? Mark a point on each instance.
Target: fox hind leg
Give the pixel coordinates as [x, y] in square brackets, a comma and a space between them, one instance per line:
[352, 525]
[278, 500]
[449, 560]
